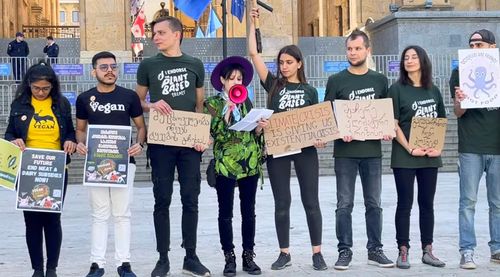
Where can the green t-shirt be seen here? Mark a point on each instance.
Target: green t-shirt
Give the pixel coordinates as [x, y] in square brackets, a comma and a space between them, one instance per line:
[409, 102]
[347, 86]
[237, 154]
[478, 129]
[291, 96]
[173, 79]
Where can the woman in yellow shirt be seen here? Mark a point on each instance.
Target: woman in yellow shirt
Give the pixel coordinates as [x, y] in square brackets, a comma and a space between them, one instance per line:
[40, 117]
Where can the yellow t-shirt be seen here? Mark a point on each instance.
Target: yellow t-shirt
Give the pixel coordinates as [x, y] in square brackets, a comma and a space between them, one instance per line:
[44, 130]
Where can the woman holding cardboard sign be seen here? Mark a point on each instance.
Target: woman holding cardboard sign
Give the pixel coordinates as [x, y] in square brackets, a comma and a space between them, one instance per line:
[40, 117]
[289, 90]
[237, 158]
[414, 95]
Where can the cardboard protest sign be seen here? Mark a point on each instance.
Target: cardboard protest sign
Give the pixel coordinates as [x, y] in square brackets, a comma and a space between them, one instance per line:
[41, 180]
[180, 128]
[292, 130]
[479, 73]
[106, 164]
[427, 132]
[10, 158]
[365, 119]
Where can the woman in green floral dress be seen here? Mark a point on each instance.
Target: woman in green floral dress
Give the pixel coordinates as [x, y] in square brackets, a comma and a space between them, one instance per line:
[237, 160]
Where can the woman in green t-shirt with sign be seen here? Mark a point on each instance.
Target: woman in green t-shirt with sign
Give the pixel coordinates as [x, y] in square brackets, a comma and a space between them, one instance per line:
[414, 95]
[289, 90]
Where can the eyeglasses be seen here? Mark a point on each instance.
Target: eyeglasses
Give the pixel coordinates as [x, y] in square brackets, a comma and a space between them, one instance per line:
[105, 67]
[38, 89]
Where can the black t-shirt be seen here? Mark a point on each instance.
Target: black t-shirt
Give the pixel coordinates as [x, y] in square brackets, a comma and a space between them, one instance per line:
[111, 108]
[291, 96]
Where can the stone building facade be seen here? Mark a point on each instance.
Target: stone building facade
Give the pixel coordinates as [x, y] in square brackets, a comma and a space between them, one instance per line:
[15, 14]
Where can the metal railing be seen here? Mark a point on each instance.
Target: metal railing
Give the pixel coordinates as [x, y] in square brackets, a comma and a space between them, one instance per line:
[317, 75]
[33, 31]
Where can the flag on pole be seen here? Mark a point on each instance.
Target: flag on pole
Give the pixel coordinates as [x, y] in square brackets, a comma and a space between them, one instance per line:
[192, 8]
[199, 32]
[213, 24]
[238, 9]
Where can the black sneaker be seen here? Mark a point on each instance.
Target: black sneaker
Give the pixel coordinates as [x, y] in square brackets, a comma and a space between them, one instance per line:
[162, 268]
[95, 271]
[377, 257]
[319, 262]
[495, 258]
[125, 270]
[345, 258]
[192, 266]
[37, 273]
[284, 260]
[51, 272]
[249, 264]
[230, 266]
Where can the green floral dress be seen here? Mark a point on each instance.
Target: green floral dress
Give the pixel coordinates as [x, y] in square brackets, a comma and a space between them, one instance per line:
[237, 154]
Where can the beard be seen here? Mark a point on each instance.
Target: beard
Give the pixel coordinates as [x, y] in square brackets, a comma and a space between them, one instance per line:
[358, 63]
[106, 81]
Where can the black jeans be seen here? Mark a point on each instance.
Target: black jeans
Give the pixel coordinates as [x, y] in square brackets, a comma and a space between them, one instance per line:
[405, 179]
[225, 195]
[39, 224]
[370, 171]
[164, 160]
[307, 169]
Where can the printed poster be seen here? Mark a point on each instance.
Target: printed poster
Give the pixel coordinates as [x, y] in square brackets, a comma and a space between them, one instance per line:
[479, 73]
[106, 163]
[41, 180]
[10, 158]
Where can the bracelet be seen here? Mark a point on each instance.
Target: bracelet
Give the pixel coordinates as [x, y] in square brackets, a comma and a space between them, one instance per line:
[411, 152]
[141, 144]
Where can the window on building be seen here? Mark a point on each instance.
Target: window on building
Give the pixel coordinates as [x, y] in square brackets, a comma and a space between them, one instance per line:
[62, 16]
[75, 16]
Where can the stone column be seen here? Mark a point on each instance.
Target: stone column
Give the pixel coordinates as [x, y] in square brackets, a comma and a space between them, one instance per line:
[105, 27]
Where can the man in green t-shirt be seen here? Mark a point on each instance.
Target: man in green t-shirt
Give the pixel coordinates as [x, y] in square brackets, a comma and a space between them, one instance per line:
[175, 82]
[478, 152]
[356, 83]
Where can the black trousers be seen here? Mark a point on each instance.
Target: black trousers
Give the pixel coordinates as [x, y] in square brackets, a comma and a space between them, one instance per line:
[164, 160]
[39, 224]
[225, 195]
[307, 169]
[426, 180]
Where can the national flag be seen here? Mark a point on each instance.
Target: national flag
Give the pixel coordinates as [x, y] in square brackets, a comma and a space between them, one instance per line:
[213, 24]
[238, 9]
[199, 32]
[192, 8]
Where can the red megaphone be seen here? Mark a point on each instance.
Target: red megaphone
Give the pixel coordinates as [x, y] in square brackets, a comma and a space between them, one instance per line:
[238, 94]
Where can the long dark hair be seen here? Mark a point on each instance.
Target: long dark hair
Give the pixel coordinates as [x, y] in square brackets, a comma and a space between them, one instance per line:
[39, 72]
[281, 81]
[425, 68]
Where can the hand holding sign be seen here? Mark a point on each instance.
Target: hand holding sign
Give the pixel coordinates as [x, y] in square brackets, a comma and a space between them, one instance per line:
[428, 133]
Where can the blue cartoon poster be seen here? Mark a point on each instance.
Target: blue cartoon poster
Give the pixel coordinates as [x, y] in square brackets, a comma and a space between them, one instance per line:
[479, 73]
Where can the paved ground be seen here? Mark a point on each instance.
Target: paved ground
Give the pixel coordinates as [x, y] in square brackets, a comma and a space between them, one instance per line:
[14, 260]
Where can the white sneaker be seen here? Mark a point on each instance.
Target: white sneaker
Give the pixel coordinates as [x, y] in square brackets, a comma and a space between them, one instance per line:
[467, 261]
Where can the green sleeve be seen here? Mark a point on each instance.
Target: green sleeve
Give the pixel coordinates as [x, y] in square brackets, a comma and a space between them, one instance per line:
[314, 95]
[200, 73]
[142, 74]
[268, 83]
[384, 89]
[330, 93]
[454, 82]
[440, 108]
[394, 94]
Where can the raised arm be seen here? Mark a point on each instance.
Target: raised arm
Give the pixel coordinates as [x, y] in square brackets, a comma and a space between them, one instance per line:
[257, 60]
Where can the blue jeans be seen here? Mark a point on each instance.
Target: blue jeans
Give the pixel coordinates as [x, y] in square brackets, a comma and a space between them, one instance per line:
[370, 171]
[471, 170]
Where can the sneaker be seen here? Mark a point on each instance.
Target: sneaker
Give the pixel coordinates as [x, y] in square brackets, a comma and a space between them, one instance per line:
[284, 260]
[430, 259]
[249, 264]
[37, 273]
[377, 257]
[95, 271]
[467, 261]
[230, 267]
[125, 270]
[162, 268]
[319, 262]
[402, 261]
[51, 272]
[345, 257]
[192, 266]
[495, 258]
